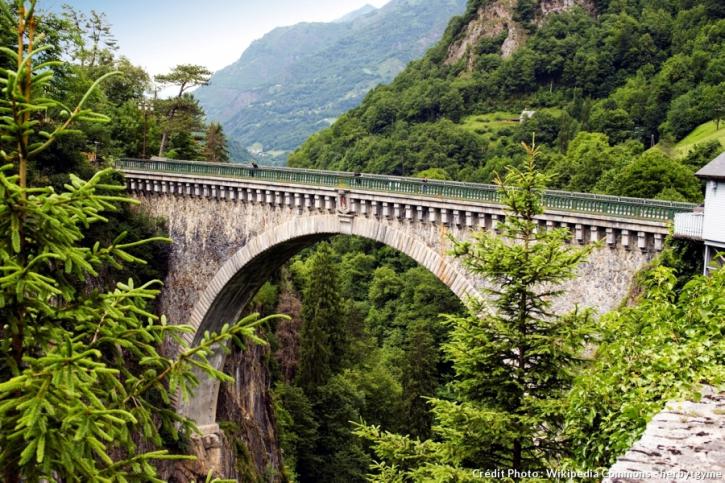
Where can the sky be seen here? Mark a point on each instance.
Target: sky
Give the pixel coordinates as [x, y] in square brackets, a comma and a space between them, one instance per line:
[159, 34]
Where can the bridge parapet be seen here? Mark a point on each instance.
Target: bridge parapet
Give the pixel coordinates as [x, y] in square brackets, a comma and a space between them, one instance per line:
[589, 203]
[626, 222]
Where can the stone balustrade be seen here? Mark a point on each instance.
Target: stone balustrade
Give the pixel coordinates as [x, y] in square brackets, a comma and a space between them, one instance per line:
[634, 234]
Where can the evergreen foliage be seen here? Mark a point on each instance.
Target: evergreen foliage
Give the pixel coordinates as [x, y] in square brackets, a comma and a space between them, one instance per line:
[420, 378]
[185, 77]
[513, 358]
[85, 394]
[341, 457]
[389, 308]
[297, 428]
[322, 340]
[215, 149]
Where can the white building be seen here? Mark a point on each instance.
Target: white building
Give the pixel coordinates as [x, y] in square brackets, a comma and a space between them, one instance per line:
[707, 224]
[526, 114]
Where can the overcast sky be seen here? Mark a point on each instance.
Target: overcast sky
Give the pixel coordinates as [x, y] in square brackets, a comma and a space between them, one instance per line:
[159, 34]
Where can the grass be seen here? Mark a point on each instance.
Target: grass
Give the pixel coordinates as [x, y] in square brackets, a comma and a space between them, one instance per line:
[487, 126]
[492, 120]
[701, 134]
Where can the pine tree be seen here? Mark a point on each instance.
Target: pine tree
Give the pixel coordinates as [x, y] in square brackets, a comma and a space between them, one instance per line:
[83, 387]
[515, 362]
[185, 77]
[513, 358]
[216, 144]
[322, 340]
[420, 377]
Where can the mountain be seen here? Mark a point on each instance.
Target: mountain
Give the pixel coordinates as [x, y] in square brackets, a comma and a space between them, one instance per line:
[594, 82]
[355, 14]
[296, 80]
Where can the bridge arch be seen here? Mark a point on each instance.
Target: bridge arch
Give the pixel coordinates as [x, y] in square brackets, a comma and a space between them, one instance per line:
[233, 226]
[241, 276]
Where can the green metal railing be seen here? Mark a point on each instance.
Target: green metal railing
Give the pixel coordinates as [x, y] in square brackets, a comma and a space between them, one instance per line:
[620, 207]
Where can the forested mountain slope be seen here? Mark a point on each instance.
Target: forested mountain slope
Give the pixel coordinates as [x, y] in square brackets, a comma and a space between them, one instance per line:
[604, 80]
[296, 80]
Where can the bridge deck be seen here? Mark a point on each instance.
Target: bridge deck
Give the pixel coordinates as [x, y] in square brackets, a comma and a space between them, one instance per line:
[614, 206]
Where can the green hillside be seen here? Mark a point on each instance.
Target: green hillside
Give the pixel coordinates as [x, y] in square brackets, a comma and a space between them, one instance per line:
[702, 134]
[297, 80]
[604, 80]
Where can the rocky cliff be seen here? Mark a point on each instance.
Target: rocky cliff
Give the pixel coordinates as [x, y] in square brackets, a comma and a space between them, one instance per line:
[507, 20]
[246, 445]
[246, 414]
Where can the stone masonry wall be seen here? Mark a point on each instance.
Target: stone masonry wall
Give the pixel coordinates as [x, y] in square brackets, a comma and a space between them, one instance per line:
[206, 233]
[221, 242]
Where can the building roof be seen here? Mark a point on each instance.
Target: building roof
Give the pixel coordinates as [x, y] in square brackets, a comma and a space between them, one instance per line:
[715, 169]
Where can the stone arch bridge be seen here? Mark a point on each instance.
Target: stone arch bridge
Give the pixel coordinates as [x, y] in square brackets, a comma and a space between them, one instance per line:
[232, 226]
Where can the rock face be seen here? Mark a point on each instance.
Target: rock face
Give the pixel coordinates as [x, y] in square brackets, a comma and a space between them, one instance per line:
[246, 411]
[491, 21]
[685, 442]
[214, 453]
[496, 18]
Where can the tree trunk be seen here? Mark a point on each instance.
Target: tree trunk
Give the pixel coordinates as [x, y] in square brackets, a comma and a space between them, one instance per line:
[169, 118]
[517, 455]
[165, 135]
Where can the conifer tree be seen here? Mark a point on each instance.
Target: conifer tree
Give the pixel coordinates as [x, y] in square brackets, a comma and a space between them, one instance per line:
[185, 77]
[420, 377]
[85, 394]
[322, 338]
[513, 357]
[216, 144]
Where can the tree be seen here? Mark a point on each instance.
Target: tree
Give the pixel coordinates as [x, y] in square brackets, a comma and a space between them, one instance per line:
[588, 156]
[613, 121]
[658, 350]
[90, 36]
[216, 144]
[184, 146]
[85, 393]
[420, 378]
[322, 338]
[130, 85]
[513, 358]
[384, 295]
[337, 456]
[545, 124]
[297, 428]
[185, 76]
[653, 173]
[693, 108]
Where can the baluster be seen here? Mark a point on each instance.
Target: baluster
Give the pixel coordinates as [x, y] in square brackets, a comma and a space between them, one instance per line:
[625, 239]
